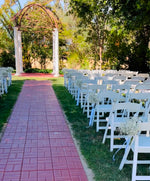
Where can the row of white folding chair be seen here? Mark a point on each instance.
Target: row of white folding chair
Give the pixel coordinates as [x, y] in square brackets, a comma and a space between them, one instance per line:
[67, 76]
[88, 85]
[143, 105]
[104, 93]
[86, 105]
[108, 76]
[85, 90]
[124, 95]
[104, 106]
[131, 107]
[123, 90]
[105, 85]
[81, 90]
[139, 143]
[119, 114]
[6, 73]
[5, 79]
[70, 80]
[120, 94]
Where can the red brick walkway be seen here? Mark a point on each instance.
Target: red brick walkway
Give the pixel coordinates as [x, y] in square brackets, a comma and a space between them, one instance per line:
[37, 144]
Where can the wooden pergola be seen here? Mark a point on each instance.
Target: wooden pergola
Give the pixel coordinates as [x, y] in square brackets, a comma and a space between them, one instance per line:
[54, 23]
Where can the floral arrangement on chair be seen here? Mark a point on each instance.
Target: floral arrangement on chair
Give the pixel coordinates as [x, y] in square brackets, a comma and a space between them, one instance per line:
[130, 127]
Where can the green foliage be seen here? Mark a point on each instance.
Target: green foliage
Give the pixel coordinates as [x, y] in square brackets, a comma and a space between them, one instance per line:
[94, 17]
[134, 15]
[36, 70]
[6, 49]
[117, 50]
[7, 10]
[7, 60]
[89, 34]
[8, 100]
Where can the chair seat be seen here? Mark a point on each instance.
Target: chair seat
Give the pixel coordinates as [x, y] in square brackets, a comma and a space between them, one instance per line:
[144, 144]
[144, 141]
[103, 108]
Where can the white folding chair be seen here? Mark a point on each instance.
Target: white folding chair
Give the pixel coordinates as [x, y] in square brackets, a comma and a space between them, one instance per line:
[85, 89]
[132, 83]
[104, 105]
[124, 90]
[110, 83]
[143, 99]
[139, 144]
[119, 114]
[87, 106]
[80, 91]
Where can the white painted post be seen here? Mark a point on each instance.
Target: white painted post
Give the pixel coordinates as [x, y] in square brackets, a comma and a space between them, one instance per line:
[54, 69]
[55, 53]
[20, 51]
[16, 51]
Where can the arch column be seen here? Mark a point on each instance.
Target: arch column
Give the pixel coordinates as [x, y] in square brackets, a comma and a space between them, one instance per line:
[55, 53]
[18, 51]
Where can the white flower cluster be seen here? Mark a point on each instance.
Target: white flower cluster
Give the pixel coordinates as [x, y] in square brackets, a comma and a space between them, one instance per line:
[92, 98]
[78, 83]
[130, 127]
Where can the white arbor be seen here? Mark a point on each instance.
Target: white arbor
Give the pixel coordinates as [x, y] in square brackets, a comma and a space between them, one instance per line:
[18, 40]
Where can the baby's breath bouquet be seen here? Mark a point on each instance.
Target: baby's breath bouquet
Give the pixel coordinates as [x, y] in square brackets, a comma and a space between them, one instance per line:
[130, 127]
[92, 97]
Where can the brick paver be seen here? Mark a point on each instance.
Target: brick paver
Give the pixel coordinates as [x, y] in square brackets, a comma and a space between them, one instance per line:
[37, 144]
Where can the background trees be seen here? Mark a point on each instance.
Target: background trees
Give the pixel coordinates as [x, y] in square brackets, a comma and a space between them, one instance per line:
[119, 29]
[95, 34]
[7, 10]
[134, 15]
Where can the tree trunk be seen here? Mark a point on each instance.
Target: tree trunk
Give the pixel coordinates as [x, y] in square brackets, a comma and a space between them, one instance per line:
[100, 57]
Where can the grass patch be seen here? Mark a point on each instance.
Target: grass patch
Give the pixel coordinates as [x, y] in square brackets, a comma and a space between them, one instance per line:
[8, 100]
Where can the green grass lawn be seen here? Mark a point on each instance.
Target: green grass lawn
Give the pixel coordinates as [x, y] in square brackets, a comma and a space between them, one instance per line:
[98, 156]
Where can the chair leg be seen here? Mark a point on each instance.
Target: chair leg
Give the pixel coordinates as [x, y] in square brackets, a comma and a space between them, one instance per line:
[105, 134]
[135, 158]
[124, 159]
[81, 99]
[134, 169]
[112, 139]
[97, 122]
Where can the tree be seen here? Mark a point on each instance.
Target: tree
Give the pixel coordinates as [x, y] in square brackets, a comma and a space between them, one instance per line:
[135, 17]
[7, 10]
[94, 16]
